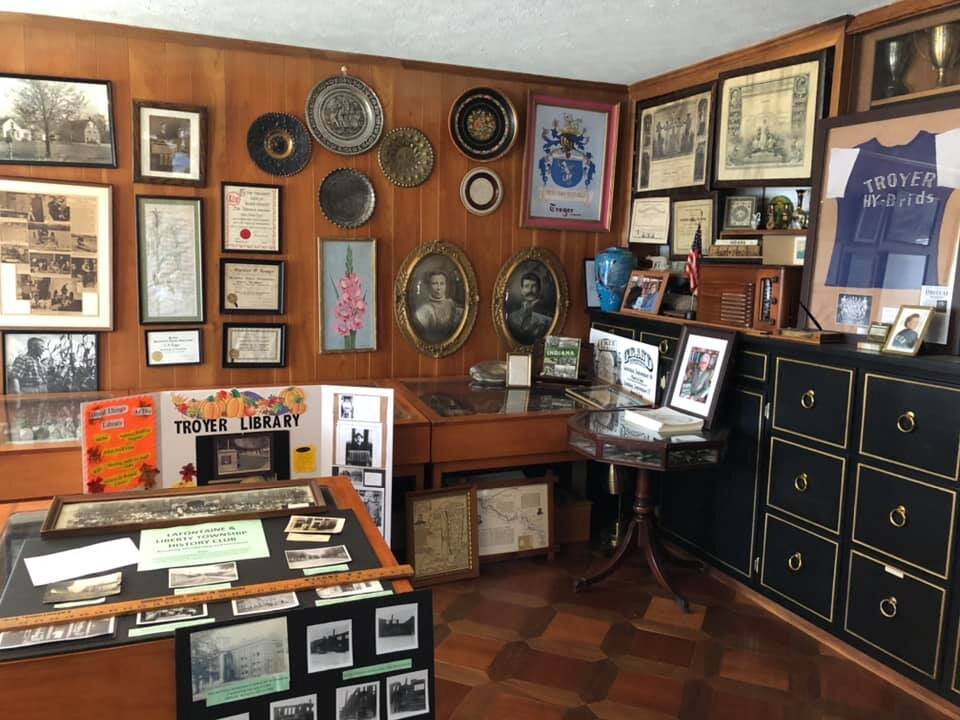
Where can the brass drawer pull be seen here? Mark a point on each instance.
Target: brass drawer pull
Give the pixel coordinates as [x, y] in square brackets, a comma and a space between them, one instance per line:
[808, 400]
[907, 422]
[795, 562]
[664, 347]
[801, 482]
[888, 607]
[898, 516]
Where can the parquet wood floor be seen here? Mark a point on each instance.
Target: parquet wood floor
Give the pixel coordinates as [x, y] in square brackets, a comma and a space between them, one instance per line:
[519, 644]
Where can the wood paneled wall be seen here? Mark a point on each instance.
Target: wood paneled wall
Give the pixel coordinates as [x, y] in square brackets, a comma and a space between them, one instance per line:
[239, 81]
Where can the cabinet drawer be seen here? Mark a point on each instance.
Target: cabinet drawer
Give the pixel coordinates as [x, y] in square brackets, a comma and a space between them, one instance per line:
[904, 422]
[895, 612]
[800, 566]
[806, 483]
[906, 519]
[751, 365]
[666, 343]
[813, 401]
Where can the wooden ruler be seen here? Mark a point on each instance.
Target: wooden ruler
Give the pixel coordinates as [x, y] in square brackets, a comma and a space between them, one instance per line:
[129, 607]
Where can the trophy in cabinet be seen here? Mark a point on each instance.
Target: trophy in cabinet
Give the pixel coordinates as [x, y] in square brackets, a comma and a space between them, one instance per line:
[895, 55]
[940, 46]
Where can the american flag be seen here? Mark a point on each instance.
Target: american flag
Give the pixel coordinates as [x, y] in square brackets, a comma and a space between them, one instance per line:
[693, 260]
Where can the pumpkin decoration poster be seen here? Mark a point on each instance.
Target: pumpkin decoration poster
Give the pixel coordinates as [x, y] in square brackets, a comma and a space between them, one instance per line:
[119, 441]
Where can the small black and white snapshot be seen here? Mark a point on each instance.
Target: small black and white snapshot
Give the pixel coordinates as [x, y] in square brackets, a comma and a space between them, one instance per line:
[83, 588]
[317, 557]
[407, 695]
[50, 362]
[365, 408]
[854, 309]
[396, 628]
[373, 500]
[346, 407]
[348, 589]
[202, 575]
[244, 454]
[329, 646]
[360, 444]
[355, 474]
[265, 604]
[298, 708]
[172, 614]
[358, 702]
[314, 524]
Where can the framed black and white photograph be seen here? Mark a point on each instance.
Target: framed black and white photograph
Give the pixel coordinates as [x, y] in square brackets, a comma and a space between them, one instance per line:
[170, 254]
[262, 345]
[359, 702]
[265, 604]
[172, 614]
[908, 330]
[252, 218]
[303, 707]
[408, 695]
[50, 362]
[329, 646]
[169, 143]
[360, 444]
[244, 454]
[530, 298]
[739, 212]
[854, 309]
[252, 286]
[373, 500]
[697, 378]
[396, 628]
[56, 121]
[174, 347]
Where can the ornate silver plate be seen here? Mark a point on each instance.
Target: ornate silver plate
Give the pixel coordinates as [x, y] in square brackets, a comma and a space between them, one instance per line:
[406, 157]
[347, 198]
[344, 115]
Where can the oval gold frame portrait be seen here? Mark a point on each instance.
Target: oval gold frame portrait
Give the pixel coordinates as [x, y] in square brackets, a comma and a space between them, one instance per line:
[553, 265]
[408, 273]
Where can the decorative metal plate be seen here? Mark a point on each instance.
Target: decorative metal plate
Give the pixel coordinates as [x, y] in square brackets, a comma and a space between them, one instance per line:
[345, 115]
[406, 157]
[279, 144]
[481, 191]
[483, 124]
[347, 198]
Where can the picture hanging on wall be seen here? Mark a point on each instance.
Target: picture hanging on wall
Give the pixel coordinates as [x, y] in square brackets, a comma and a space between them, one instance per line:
[252, 219]
[530, 298]
[348, 295]
[50, 362]
[170, 143]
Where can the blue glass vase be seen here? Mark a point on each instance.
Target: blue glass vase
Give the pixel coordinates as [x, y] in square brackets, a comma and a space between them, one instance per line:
[613, 268]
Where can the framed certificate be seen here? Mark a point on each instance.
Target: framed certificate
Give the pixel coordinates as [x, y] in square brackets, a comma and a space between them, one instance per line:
[174, 347]
[688, 217]
[650, 220]
[251, 218]
[251, 286]
[254, 346]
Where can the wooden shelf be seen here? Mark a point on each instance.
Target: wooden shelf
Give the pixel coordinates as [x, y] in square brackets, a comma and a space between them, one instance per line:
[770, 334]
[932, 92]
[760, 232]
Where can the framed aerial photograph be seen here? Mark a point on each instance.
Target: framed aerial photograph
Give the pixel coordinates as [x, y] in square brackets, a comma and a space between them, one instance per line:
[530, 298]
[169, 144]
[252, 286]
[768, 114]
[174, 347]
[170, 253]
[252, 218]
[698, 374]
[569, 163]
[56, 121]
[56, 258]
[442, 535]
[908, 330]
[50, 362]
[348, 295]
[644, 293]
[254, 346]
[674, 140]
[689, 216]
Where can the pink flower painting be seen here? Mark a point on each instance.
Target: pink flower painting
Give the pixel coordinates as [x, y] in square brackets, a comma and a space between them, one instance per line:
[351, 309]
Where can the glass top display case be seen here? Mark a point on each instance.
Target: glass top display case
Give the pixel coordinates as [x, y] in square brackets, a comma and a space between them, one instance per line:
[459, 397]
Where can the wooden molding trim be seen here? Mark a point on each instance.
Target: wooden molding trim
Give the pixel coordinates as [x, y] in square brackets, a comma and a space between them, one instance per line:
[895, 12]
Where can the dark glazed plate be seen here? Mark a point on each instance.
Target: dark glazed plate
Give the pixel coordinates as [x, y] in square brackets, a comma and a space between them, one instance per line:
[279, 144]
[406, 157]
[483, 124]
[345, 115]
[347, 198]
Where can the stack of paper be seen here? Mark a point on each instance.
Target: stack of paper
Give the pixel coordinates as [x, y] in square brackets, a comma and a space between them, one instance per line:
[663, 420]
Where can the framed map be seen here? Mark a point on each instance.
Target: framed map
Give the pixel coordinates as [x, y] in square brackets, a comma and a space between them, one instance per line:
[442, 534]
[515, 518]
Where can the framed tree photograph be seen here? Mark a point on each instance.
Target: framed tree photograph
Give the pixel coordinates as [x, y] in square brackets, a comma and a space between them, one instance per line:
[174, 347]
[348, 295]
[169, 143]
[698, 374]
[569, 163]
[56, 257]
[170, 253]
[50, 362]
[252, 286]
[442, 535]
[252, 218]
[254, 346]
[56, 121]
[674, 139]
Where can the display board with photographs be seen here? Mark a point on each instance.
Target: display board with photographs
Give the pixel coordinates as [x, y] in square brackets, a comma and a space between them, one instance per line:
[50, 362]
[369, 659]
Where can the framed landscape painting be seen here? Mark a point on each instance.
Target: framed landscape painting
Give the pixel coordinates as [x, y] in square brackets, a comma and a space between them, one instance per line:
[348, 295]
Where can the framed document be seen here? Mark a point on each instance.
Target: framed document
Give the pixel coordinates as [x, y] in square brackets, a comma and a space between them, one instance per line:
[526, 529]
[650, 220]
[170, 253]
[251, 218]
[442, 534]
[674, 140]
[688, 215]
[169, 143]
[174, 347]
[251, 286]
[254, 346]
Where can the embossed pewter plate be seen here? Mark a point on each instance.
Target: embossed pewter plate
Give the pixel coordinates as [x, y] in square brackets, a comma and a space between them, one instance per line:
[347, 198]
[483, 124]
[406, 157]
[345, 115]
[279, 144]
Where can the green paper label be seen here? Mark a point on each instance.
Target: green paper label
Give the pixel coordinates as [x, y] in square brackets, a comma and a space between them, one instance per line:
[351, 598]
[378, 669]
[324, 570]
[202, 588]
[244, 689]
[166, 627]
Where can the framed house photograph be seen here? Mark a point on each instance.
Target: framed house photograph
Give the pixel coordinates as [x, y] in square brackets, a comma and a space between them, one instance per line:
[252, 286]
[442, 535]
[530, 298]
[674, 139]
[170, 253]
[569, 163]
[698, 374]
[169, 143]
[56, 121]
[644, 293]
[690, 216]
[252, 218]
[906, 335]
[254, 346]
[768, 113]
[56, 256]
[590, 283]
[739, 212]
[174, 347]
[50, 362]
[348, 295]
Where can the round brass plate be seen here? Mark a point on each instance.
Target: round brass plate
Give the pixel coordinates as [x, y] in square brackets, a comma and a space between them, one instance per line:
[406, 157]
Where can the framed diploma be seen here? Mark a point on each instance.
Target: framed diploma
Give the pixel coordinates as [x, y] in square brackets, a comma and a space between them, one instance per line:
[251, 218]
[650, 220]
[254, 346]
[688, 216]
[174, 347]
[251, 286]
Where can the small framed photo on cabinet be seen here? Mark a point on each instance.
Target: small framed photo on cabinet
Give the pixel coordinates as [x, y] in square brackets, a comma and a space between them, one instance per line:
[909, 329]
[254, 346]
[169, 143]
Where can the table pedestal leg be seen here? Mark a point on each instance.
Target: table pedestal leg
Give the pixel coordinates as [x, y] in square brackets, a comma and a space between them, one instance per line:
[643, 526]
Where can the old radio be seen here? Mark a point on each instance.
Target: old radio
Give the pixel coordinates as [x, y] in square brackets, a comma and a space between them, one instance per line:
[749, 296]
